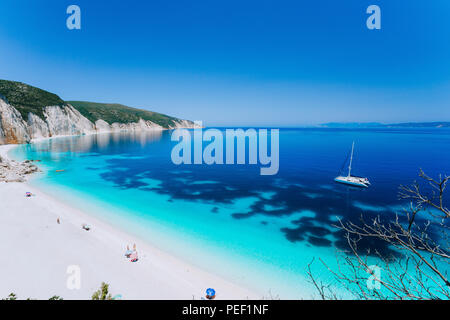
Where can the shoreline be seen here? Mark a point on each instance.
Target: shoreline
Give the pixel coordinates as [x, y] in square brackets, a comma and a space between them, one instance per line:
[40, 251]
[5, 149]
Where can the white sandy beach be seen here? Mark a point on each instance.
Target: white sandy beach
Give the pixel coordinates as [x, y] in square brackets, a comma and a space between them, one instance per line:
[37, 251]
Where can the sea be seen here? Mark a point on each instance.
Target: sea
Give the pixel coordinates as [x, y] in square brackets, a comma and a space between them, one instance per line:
[264, 232]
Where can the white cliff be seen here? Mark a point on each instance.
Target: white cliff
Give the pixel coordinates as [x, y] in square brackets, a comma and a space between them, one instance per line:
[67, 121]
[12, 127]
[185, 124]
[102, 126]
[61, 121]
[37, 128]
[141, 125]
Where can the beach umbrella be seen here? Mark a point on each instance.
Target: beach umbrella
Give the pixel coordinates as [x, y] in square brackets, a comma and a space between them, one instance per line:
[210, 292]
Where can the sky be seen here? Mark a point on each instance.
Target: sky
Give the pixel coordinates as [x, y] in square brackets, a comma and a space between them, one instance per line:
[243, 63]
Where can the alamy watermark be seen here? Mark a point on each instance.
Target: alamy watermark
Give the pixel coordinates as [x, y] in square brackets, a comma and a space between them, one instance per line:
[74, 277]
[374, 20]
[373, 282]
[190, 148]
[74, 20]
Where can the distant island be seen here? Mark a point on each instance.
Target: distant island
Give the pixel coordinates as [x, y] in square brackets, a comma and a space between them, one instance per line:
[354, 125]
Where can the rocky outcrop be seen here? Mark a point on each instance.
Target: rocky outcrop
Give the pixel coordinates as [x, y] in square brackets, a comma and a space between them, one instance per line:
[13, 171]
[61, 121]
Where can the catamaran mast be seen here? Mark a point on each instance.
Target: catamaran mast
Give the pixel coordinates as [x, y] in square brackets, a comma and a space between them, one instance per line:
[351, 159]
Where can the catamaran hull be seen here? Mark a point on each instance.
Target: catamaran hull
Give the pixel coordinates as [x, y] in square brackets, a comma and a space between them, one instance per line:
[351, 183]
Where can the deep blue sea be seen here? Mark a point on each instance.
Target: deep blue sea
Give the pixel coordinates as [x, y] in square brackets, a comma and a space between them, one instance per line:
[260, 231]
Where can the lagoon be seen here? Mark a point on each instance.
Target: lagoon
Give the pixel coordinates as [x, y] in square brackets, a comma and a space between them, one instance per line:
[258, 231]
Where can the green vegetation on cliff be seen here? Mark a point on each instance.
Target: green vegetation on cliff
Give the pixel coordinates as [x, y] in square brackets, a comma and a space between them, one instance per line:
[27, 98]
[119, 113]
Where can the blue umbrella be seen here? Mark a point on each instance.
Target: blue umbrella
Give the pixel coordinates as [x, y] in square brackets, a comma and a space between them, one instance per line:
[210, 292]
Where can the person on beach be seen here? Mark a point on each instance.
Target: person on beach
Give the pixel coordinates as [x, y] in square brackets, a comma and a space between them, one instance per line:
[128, 252]
[134, 257]
[132, 254]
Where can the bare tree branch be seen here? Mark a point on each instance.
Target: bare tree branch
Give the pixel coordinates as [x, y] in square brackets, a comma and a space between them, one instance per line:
[420, 233]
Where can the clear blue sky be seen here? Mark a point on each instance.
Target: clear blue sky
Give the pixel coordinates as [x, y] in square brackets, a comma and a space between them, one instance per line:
[278, 63]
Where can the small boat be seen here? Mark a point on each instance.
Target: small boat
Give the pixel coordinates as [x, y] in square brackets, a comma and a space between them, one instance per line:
[353, 180]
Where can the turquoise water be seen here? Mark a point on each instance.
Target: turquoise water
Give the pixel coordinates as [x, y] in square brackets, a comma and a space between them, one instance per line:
[258, 231]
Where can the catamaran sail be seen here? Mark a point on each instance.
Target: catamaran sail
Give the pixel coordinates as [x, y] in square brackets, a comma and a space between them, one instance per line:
[352, 180]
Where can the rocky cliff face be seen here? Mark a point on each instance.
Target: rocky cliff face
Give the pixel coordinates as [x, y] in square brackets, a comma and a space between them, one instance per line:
[62, 120]
[12, 127]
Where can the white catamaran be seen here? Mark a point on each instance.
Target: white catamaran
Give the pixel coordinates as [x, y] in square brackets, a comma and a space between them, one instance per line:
[353, 180]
